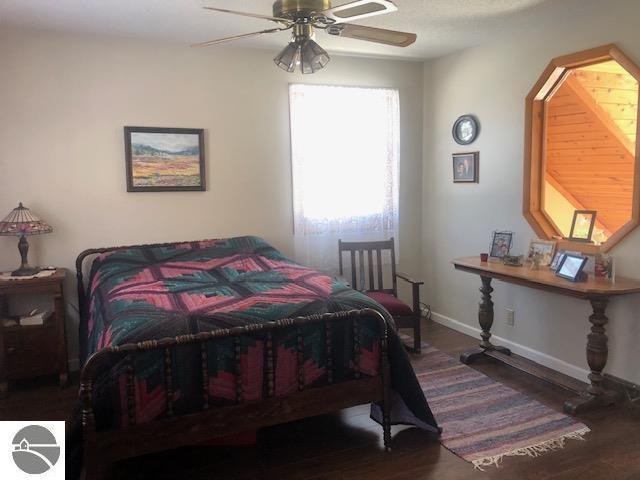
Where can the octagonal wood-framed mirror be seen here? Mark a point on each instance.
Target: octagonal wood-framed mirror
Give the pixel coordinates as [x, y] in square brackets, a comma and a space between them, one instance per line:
[582, 147]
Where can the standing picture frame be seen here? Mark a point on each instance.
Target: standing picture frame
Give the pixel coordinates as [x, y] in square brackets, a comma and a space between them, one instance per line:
[582, 225]
[164, 159]
[466, 167]
[500, 244]
[541, 249]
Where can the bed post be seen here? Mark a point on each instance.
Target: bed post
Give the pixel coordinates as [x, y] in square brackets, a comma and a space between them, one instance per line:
[386, 391]
[91, 468]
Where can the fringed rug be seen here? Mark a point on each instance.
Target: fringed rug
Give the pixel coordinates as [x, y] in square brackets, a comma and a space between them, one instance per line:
[483, 420]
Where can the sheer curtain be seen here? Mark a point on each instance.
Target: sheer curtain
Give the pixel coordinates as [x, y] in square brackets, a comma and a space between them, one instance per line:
[345, 149]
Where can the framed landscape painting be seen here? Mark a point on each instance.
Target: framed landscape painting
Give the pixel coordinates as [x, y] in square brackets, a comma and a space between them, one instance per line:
[164, 159]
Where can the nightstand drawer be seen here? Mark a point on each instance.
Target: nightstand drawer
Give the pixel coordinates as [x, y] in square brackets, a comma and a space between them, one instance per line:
[31, 351]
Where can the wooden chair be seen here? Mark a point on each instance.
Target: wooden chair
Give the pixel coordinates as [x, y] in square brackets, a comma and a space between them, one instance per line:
[403, 315]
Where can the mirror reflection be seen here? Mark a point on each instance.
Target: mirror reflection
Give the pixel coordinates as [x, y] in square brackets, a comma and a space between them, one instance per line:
[590, 127]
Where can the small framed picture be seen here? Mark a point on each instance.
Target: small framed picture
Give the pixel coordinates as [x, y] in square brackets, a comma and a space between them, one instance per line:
[571, 266]
[604, 267]
[465, 167]
[582, 225]
[556, 260]
[542, 250]
[501, 244]
[164, 159]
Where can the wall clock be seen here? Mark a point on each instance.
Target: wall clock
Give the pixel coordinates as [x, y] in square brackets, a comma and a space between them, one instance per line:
[465, 129]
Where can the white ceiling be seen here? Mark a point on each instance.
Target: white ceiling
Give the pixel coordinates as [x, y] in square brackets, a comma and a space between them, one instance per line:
[443, 26]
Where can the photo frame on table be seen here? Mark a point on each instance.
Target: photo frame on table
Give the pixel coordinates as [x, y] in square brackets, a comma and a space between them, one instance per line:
[164, 159]
[500, 244]
[604, 267]
[543, 248]
[582, 225]
[466, 167]
[571, 267]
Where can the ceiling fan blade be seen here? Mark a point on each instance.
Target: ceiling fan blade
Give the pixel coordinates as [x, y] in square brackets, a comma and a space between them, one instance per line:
[358, 10]
[371, 34]
[236, 37]
[253, 15]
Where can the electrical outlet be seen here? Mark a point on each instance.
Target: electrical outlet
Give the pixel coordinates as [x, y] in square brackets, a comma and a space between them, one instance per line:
[510, 317]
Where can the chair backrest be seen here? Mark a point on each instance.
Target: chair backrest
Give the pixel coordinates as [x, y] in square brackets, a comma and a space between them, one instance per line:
[358, 263]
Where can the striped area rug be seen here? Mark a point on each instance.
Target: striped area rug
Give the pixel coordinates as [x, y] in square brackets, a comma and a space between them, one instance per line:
[483, 420]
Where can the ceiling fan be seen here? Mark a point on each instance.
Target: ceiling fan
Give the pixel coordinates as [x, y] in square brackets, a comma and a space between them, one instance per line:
[303, 17]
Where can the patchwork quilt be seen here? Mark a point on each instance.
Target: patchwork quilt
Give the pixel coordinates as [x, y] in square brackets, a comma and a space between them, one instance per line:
[144, 293]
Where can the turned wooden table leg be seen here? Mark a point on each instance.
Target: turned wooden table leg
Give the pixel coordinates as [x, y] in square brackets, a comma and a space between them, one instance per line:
[595, 395]
[485, 318]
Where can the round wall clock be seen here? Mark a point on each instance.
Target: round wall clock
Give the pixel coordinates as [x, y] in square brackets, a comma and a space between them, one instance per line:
[465, 129]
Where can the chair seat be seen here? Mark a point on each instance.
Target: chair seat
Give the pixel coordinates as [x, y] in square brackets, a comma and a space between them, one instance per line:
[392, 304]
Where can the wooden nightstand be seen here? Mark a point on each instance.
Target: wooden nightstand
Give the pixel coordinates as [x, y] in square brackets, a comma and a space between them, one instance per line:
[34, 350]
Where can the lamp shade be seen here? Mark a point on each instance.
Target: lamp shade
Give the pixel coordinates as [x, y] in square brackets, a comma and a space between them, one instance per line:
[312, 57]
[289, 58]
[22, 222]
[304, 52]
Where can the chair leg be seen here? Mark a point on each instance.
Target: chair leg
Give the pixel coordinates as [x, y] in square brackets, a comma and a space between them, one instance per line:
[417, 338]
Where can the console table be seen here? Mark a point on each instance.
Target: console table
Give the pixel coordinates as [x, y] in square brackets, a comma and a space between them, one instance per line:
[596, 291]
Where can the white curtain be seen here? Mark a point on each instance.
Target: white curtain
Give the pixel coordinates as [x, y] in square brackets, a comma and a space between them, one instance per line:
[345, 146]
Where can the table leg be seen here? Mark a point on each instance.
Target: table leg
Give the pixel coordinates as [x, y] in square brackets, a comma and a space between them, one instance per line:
[595, 395]
[485, 318]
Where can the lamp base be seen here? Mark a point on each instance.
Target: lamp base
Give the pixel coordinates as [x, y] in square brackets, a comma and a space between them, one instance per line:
[25, 271]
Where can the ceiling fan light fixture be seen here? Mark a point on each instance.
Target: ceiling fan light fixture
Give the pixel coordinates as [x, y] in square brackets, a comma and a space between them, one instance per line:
[312, 57]
[289, 58]
[304, 17]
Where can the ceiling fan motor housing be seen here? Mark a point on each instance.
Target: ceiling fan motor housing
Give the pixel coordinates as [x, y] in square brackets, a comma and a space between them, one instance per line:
[295, 9]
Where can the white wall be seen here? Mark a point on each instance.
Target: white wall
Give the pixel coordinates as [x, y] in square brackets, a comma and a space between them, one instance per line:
[491, 82]
[64, 101]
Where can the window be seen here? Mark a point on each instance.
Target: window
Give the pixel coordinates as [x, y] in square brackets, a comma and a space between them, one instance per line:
[345, 148]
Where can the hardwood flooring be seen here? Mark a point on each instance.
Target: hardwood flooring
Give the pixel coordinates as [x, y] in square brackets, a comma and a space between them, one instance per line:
[347, 445]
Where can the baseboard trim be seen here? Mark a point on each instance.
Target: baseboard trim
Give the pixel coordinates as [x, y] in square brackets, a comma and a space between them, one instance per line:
[526, 352]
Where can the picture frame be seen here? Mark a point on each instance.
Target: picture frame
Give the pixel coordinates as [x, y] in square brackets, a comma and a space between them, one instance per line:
[466, 167]
[465, 129]
[556, 259]
[162, 159]
[500, 244]
[543, 248]
[571, 267]
[604, 267]
[582, 225]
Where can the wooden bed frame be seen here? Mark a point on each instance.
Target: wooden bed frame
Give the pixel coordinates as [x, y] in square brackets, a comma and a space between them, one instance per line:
[103, 447]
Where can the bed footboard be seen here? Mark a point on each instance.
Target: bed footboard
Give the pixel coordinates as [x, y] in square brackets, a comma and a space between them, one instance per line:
[105, 446]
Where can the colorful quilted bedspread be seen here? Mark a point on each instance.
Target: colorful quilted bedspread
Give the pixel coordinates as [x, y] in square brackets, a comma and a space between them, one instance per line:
[144, 293]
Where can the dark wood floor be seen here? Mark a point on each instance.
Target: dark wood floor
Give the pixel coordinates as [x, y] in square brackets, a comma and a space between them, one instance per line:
[348, 445]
